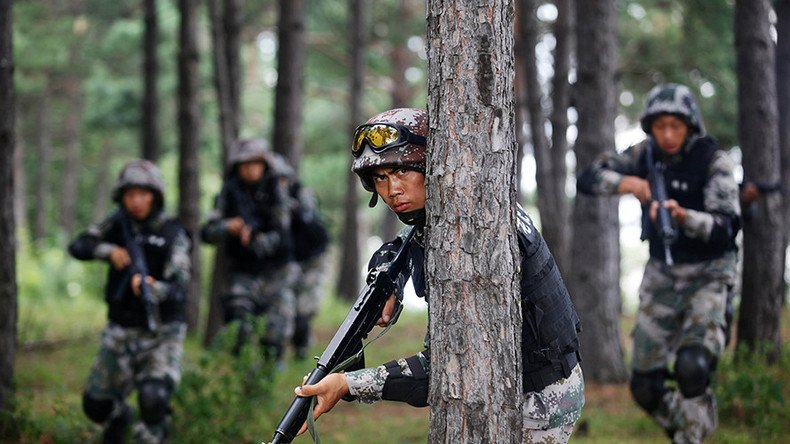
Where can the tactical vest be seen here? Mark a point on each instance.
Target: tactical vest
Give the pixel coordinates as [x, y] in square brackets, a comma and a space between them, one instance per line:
[549, 341]
[260, 199]
[686, 180]
[155, 238]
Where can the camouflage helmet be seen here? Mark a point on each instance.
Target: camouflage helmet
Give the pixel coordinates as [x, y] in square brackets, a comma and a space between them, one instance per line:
[674, 99]
[247, 150]
[140, 173]
[409, 155]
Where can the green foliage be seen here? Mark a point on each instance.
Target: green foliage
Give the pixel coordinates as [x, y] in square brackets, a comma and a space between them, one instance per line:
[752, 393]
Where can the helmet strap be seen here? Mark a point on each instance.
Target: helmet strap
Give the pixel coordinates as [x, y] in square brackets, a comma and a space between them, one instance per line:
[374, 199]
[416, 217]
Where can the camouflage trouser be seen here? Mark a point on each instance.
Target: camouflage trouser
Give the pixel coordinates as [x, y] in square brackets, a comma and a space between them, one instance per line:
[129, 356]
[682, 305]
[309, 292]
[549, 415]
[267, 294]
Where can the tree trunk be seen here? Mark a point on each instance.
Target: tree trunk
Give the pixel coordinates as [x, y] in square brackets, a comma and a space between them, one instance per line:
[348, 279]
[550, 177]
[8, 315]
[73, 128]
[472, 256]
[225, 31]
[595, 256]
[103, 180]
[289, 94]
[783, 100]
[43, 166]
[150, 140]
[763, 253]
[189, 143]
[20, 184]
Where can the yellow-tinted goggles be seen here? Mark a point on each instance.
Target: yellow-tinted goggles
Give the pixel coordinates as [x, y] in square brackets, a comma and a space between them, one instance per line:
[381, 137]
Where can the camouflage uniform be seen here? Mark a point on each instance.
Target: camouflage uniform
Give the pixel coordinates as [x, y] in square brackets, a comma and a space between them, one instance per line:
[130, 356]
[682, 306]
[261, 276]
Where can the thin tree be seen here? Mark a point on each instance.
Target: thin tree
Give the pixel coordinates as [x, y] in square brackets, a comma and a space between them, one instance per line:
[189, 143]
[225, 20]
[551, 176]
[289, 94]
[348, 278]
[43, 161]
[73, 129]
[783, 100]
[471, 252]
[763, 245]
[595, 255]
[8, 315]
[150, 127]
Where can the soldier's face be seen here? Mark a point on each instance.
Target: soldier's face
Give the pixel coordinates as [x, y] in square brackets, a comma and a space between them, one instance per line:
[670, 132]
[251, 172]
[402, 189]
[138, 202]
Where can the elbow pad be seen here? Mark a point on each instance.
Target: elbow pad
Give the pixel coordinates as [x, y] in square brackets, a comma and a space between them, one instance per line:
[725, 228]
[585, 181]
[82, 248]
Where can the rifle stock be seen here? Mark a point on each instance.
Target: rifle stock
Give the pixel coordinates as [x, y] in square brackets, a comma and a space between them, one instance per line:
[347, 341]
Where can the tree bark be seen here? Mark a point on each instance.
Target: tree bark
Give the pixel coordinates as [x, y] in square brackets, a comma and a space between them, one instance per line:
[189, 143]
[20, 183]
[232, 25]
[43, 165]
[289, 93]
[228, 116]
[150, 140]
[348, 278]
[471, 252]
[8, 314]
[550, 177]
[763, 253]
[595, 255]
[73, 128]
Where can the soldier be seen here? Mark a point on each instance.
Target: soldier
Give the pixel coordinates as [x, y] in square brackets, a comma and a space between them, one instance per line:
[310, 243]
[252, 215]
[142, 345]
[682, 307]
[389, 157]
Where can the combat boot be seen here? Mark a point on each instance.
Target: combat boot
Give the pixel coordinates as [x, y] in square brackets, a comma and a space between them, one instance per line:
[115, 431]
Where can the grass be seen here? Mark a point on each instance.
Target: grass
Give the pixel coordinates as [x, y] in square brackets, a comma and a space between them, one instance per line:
[216, 404]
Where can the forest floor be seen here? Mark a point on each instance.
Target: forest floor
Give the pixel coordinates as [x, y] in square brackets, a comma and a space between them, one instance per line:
[50, 375]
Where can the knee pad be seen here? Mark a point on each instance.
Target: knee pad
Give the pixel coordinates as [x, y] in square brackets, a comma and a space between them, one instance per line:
[234, 312]
[648, 388]
[301, 331]
[97, 410]
[692, 370]
[154, 397]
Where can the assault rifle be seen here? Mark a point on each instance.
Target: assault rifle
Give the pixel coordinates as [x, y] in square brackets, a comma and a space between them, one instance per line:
[658, 189]
[138, 266]
[347, 341]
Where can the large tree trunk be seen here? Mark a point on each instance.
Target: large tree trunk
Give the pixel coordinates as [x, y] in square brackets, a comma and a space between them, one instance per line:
[594, 277]
[551, 178]
[73, 128]
[225, 30]
[783, 100]
[189, 143]
[348, 278]
[472, 256]
[8, 314]
[289, 94]
[763, 252]
[43, 166]
[150, 140]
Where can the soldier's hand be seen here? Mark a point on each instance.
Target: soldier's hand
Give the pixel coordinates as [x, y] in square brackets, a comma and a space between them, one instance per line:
[387, 311]
[246, 236]
[637, 186]
[328, 392]
[119, 258]
[136, 283]
[234, 226]
[675, 210]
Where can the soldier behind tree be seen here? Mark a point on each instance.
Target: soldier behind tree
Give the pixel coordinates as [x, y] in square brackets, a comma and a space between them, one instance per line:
[252, 215]
[682, 319]
[389, 158]
[132, 357]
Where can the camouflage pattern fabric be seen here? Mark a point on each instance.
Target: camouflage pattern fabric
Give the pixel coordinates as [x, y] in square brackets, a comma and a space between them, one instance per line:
[267, 294]
[309, 286]
[130, 355]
